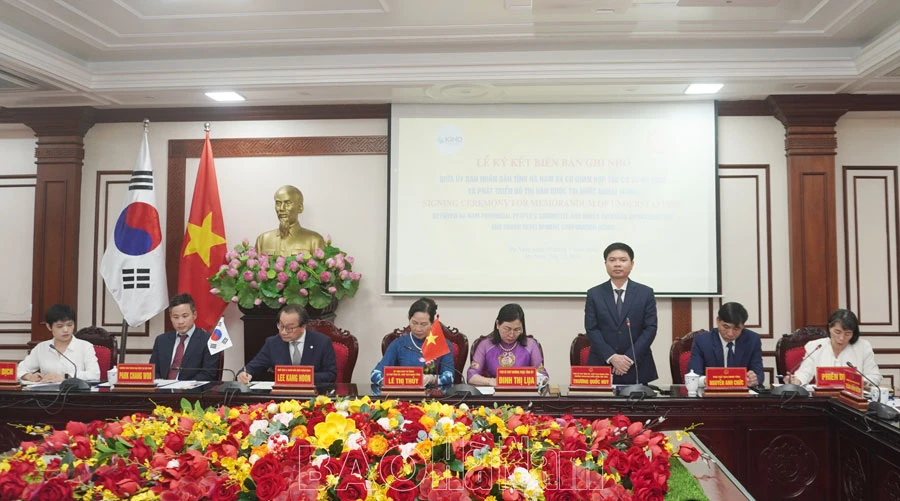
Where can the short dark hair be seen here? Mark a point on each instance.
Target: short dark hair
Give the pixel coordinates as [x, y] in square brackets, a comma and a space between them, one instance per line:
[510, 313]
[59, 313]
[733, 313]
[180, 299]
[848, 321]
[618, 246]
[301, 312]
[424, 305]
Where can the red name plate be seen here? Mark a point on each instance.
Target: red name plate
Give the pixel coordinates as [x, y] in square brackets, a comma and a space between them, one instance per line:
[140, 374]
[590, 375]
[830, 377]
[403, 376]
[8, 372]
[300, 376]
[726, 378]
[853, 383]
[516, 377]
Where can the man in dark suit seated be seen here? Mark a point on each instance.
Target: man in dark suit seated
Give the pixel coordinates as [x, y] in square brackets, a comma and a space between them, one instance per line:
[729, 345]
[608, 310]
[183, 353]
[294, 345]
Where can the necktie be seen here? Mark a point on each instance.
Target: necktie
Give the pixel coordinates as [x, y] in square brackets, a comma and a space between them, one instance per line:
[295, 358]
[729, 362]
[619, 301]
[179, 354]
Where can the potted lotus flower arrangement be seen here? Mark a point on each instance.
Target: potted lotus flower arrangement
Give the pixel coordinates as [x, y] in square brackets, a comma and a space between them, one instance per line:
[251, 279]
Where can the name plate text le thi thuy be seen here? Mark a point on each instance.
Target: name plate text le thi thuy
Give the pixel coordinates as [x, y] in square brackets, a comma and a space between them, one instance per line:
[403, 377]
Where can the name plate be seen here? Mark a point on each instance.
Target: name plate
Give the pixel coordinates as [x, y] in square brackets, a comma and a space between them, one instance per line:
[726, 378]
[591, 376]
[8, 372]
[294, 376]
[135, 374]
[403, 377]
[830, 377]
[516, 377]
[853, 383]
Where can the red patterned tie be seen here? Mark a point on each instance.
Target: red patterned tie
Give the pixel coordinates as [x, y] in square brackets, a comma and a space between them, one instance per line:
[179, 354]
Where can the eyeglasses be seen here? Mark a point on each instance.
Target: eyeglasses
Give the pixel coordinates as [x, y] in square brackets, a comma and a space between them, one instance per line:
[506, 330]
[287, 329]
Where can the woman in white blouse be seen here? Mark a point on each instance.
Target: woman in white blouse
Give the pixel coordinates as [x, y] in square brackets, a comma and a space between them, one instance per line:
[841, 346]
[46, 362]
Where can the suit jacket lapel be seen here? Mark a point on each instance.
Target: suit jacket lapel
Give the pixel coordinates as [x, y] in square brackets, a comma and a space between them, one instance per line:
[309, 351]
[167, 348]
[718, 351]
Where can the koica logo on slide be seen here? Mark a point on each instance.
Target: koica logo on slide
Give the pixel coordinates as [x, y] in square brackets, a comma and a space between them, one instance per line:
[449, 139]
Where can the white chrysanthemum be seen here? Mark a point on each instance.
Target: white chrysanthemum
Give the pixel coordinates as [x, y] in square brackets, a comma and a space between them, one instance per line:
[355, 441]
[385, 423]
[318, 460]
[407, 450]
[283, 417]
[259, 425]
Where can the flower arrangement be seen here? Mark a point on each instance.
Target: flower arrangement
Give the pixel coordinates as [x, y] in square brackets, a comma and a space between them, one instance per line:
[251, 279]
[344, 450]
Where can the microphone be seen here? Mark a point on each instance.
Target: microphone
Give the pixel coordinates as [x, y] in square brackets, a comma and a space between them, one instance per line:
[73, 383]
[792, 371]
[791, 389]
[224, 386]
[637, 391]
[882, 411]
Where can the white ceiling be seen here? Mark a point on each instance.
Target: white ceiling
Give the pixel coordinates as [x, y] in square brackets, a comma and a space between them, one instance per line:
[155, 53]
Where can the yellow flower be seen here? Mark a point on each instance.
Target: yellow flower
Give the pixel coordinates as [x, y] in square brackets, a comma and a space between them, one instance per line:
[377, 445]
[299, 432]
[335, 427]
[233, 413]
[212, 418]
[322, 400]
[424, 449]
[427, 421]
[260, 450]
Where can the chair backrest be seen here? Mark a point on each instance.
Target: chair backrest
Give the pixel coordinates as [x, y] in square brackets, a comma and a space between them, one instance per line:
[680, 355]
[580, 349]
[106, 347]
[790, 348]
[346, 347]
[458, 341]
[488, 336]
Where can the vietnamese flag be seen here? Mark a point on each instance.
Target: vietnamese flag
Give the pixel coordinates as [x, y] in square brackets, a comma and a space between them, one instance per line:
[204, 248]
[435, 344]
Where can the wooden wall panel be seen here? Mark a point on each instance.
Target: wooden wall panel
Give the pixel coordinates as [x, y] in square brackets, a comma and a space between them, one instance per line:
[17, 193]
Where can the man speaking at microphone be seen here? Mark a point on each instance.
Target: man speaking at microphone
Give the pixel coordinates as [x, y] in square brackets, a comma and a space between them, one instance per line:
[729, 344]
[183, 354]
[620, 320]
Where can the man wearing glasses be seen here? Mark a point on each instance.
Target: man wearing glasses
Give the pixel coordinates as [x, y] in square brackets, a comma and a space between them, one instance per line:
[294, 345]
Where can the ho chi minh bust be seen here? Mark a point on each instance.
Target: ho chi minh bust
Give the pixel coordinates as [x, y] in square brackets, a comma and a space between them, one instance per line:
[289, 238]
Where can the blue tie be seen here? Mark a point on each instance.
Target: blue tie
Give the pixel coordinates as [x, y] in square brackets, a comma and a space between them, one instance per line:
[730, 361]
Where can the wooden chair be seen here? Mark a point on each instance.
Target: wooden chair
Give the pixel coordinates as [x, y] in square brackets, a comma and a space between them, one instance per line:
[106, 347]
[458, 341]
[680, 355]
[346, 347]
[790, 348]
[580, 349]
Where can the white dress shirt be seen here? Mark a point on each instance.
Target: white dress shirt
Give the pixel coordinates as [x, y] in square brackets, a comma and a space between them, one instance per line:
[859, 354]
[46, 360]
[187, 340]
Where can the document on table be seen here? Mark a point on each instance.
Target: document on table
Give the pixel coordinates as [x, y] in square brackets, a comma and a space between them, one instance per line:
[174, 384]
[261, 385]
[486, 390]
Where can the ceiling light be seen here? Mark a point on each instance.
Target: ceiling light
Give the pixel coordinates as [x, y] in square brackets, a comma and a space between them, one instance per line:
[703, 88]
[225, 97]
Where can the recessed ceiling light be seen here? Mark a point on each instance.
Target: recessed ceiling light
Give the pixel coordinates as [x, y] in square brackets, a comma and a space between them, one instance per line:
[703, 88]
[225, 97]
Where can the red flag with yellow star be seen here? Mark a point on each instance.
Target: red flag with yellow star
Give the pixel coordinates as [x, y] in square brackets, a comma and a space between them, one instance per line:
[204, 248]
[435, 345]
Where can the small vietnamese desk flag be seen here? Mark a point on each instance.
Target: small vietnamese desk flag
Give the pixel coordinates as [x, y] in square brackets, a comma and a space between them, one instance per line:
[435, 345]
[203, 251]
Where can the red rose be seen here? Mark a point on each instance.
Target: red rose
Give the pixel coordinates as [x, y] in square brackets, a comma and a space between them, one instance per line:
[688, 453]
[56, 441]
[20, 467]
[641, 439]
[351, 488]
[186, 423]
[409, 412]
[227, 448]
[126, 487]
[269, 486]
[616, 461]
[390, 465]
[410, 433]
[112, 430]
[239, 427]
[479, 481]
[402, 490]
[140, 452]
[637, 458]
[648, 493]
[196, 462]
[301, 452]
[463, 448]
[81, 449]
[510, 494]
[75, 428]
[225, 489]
[313, 421]
[55, 489]
[619, 421]
[562, 495]
[264, 466]
[449, 489]
[11, 486]
[174, 442]
[355, 462]
[331, 466]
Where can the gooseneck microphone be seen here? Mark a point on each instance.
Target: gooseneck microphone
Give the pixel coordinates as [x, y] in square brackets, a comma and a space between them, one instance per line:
[792, 371]
[791, 389]
[225, 386]
[637, 391]
[881, 410]
[71, 383]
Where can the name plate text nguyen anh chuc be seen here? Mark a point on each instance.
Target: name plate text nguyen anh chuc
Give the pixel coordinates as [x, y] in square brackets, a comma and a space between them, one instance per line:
[517, 378]
[298, 379]
[726, 381]
[403, 377]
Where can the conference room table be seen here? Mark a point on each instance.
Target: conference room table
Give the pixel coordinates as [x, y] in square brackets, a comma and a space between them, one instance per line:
[791, 448]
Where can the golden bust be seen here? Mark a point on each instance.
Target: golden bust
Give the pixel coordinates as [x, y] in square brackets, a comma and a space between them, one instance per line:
[289, 238]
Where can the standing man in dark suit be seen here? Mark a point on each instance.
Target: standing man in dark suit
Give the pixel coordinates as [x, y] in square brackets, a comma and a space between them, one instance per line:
[185, 347]
[294, 345]
[608, 309]
[729, 345]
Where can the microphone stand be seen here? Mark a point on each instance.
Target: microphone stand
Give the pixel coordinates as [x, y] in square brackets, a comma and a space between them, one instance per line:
[881, 410]
[637, 391]
[72, 383]
[234, 386]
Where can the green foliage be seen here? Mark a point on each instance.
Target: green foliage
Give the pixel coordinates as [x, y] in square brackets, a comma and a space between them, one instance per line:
[682, 485]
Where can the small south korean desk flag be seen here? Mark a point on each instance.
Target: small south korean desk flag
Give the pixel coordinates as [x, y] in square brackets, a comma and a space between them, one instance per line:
[219, 340]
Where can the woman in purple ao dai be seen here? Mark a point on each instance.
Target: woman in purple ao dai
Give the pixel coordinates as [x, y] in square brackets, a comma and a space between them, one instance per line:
[507, 346]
